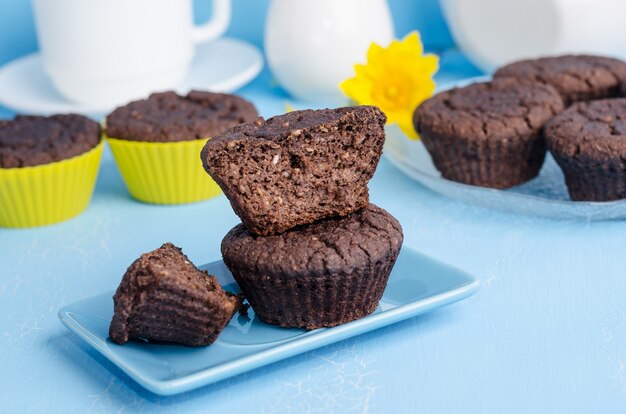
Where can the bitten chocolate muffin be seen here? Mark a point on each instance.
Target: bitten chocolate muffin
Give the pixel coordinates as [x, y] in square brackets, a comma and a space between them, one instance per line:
[575, 77]
[168, 117]
[588, 141]
[164, 297]
[324, 274]
[36, 140]
[298, 167]
[488, 134]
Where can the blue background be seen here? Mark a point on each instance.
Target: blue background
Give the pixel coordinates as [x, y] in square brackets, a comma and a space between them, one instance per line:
[546, 332]
[17, 30]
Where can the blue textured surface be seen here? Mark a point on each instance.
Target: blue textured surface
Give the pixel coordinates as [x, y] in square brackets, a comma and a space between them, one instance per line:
[417, 284]
[546, 332]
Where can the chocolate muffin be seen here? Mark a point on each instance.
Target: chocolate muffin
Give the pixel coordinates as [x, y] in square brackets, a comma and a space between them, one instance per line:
[27, 141]
[164, 297]
[298, 167]
[488, 134]
[575, 77]
[168, 117]
[323, 274]
[588, 141]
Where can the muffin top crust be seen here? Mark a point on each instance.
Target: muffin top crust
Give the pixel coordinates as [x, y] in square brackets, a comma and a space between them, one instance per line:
[168, 117]
[299, 167]
[590, 130]
[27, 141]
[575, 77]
[499, 109]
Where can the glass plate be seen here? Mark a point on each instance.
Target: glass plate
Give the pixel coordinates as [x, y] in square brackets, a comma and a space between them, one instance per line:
[417, 284]
[545, 195]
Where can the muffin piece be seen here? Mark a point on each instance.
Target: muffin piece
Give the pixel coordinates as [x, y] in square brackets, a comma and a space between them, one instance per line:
[588, 141]
[575, 77]
[168, 117]
[36, 140]
[327, 273]
[298, 167]
[488, 134]
[164, 297]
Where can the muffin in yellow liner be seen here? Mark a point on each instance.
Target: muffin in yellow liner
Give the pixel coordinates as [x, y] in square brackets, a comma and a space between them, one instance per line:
[156, 142]
[163, 172]
[48, 193]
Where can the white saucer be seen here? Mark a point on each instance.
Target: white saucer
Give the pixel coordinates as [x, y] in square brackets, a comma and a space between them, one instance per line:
[222, 65]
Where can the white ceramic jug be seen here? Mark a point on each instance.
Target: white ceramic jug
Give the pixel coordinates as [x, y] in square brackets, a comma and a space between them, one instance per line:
[495, 32]
[312, 46]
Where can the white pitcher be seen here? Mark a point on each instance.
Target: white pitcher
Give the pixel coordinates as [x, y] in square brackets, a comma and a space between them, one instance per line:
[312, 46]
[495, 32]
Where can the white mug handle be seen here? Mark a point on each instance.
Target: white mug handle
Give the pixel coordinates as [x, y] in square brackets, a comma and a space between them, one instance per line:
[216, 26]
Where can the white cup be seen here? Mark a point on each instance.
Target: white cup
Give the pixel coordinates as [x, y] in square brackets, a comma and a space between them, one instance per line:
[496, 32]
[107, 52]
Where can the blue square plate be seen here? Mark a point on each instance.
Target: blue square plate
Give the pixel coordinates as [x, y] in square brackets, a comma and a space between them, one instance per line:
[417, 284]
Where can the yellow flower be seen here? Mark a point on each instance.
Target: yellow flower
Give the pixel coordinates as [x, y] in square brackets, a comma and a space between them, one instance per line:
[396, 79]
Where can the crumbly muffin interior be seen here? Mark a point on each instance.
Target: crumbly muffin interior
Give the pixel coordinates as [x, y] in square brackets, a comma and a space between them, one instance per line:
[299, 167]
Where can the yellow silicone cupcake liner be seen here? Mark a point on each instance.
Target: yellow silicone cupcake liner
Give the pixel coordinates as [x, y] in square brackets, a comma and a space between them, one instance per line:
[49, 193]
[164, 172]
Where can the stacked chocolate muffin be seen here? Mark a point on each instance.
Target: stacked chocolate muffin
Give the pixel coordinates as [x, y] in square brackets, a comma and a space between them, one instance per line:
[495, 134]
[311, 250]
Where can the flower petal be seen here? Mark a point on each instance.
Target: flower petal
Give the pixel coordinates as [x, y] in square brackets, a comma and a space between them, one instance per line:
[406, 125]
[374, 52]
[397, 78]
